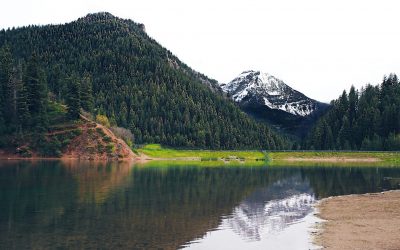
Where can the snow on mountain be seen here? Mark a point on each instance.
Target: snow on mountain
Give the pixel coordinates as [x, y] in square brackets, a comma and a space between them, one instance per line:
[265, 89]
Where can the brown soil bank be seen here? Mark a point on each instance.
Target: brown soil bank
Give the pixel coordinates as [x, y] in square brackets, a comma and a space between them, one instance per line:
[369, 221]
[97, 142]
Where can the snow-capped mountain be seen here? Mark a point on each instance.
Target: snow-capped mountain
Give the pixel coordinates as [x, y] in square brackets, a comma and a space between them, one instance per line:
[263, 88]
[269, 99]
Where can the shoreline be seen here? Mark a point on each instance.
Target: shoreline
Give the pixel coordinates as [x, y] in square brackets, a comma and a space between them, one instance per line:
[359, 221]
[271, 158]
[333, 159]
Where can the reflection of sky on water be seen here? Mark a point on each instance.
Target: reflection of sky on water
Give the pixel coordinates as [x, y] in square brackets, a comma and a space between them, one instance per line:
[275, 217]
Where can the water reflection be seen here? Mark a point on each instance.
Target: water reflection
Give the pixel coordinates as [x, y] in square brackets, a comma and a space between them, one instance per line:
[51, 204]
[264, 216]
[272, 209]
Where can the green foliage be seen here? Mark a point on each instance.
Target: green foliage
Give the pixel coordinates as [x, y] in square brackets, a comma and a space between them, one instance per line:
[37, 98]
[107, 139]
[86, 97]
[103, 120]
[368, 119]
[110, 148]
[74, 98]
[157, 151]
[138, 84]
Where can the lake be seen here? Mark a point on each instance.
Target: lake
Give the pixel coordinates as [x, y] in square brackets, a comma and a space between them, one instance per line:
[76, 205]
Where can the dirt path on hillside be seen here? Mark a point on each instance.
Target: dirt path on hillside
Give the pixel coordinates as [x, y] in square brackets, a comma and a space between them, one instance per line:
[369, 221]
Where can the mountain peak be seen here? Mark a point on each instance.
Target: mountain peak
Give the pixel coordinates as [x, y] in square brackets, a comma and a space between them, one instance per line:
[261, 88]
[98, 15]
[105, 17]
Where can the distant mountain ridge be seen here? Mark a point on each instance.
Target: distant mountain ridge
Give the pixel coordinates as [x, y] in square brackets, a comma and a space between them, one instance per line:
[263, 88]
[269, 98]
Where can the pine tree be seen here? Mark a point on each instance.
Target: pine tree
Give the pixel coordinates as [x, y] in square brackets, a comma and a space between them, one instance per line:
[22, 103]
[37, 99]
[73, 98]
[371, 121]
[6, 84]
[87, 102]
[353, 102]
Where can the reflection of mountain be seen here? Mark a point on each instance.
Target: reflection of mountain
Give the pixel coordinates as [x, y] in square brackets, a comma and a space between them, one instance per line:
[272, 209]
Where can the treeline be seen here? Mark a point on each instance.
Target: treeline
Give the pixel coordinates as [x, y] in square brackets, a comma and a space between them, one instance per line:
[23, 95]
[25, 100]
[366, 119]
[138, 84]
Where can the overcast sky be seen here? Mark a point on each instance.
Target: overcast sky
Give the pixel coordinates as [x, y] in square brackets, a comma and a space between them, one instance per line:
[318, 47]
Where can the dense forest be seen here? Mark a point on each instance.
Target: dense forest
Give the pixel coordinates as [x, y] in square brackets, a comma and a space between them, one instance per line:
[109, 66]
[366, 119]
[28, 110]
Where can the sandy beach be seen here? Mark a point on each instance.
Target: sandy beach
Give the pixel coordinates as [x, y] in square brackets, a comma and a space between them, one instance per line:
[368, 221]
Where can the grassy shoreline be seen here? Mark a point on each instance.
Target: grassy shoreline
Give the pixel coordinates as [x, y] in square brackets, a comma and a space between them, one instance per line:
[156, 154]
[160, 153]
[284, 158]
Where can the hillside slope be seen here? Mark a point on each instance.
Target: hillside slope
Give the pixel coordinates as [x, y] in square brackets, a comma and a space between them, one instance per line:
[80, 139]
[96, 142]
[139, 84]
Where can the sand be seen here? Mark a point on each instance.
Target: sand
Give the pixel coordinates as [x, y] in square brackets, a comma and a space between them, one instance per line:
[332, 159]
[369, 221]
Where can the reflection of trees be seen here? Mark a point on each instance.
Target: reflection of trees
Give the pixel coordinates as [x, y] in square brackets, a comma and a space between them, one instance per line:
[339, 181]
[146, 207]
[34, 192]
[37, 197]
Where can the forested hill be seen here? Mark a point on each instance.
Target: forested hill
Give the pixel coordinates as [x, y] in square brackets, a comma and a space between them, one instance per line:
[366, 119]
[136, 83]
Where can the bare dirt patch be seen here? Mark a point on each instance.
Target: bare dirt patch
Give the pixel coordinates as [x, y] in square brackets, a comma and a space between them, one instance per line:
[97, 143]
[331, 159]
[369, 221]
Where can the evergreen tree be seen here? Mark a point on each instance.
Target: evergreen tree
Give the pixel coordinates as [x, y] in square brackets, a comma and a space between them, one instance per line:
[87, 102]
[73, 98]
[135, 82]
[22, 103]
[6, 90]
[353, 102]
[367, 120]
[37, 98]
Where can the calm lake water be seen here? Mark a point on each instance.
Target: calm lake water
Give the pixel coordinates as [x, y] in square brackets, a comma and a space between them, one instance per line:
[56, 205]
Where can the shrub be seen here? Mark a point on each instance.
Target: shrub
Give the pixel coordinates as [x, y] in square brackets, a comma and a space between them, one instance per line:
[76, 132]
[124, 134]
[110, 148]
[106, 139]
[103, 120]
[100, 131]
[100, 148]
[65, 143]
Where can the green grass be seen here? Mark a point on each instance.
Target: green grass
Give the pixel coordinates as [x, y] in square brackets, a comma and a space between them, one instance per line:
[221, 158]
[208, 164]
[157, 151]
